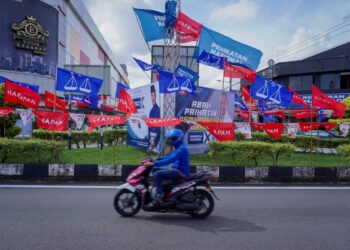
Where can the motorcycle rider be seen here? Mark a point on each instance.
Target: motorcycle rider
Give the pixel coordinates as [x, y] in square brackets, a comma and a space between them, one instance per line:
[180, 165]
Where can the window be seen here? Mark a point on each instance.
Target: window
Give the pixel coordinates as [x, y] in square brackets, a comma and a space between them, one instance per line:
[301, 82]
[330, 81]
[345, 81]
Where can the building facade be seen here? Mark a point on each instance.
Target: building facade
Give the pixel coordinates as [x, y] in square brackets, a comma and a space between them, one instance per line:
[328, 70]
[40, 35]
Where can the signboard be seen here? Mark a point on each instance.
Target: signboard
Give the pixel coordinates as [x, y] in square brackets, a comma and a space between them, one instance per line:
[336, 96]
[208, 105]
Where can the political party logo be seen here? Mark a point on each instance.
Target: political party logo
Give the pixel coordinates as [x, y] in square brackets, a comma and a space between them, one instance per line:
[30, 35]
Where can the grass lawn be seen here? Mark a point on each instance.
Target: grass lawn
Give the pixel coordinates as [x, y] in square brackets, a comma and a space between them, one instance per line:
[133, 156]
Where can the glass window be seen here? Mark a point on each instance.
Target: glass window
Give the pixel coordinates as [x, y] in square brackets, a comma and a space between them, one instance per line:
[295, 82]
[345, 81]
[306, 82]
[330, 81]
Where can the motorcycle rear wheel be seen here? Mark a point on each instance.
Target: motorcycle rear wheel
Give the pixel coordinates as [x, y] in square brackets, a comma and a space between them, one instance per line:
[127, 203]
[207, 205]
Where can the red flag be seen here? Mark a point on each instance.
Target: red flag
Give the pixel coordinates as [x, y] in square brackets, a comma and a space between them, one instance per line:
[222, 131]
[52, 120]
[52, 101]
[108, 108]
[102, 120]
[161, 122]
[5, 111]
[307, 126]
[126, 104]
[188, 28]
[274, 130]
[257, 126]
[307, 113]
[321, 100]
[328, 125]
[297, 98]
[235, 71]
[250, 102]
[15, 93]
[243, 114]
[278, 113]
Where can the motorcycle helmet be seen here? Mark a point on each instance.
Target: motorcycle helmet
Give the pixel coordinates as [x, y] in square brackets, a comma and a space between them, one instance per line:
[174, 136]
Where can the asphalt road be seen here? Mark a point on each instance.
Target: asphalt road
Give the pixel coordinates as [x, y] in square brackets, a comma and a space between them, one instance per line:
[41, 218]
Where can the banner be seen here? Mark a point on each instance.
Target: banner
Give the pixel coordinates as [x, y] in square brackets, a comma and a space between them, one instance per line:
[169, 82]
[70, 81]
[278, 113]
[170, 13]
[274, 130]
[223, 46]
[237, 71]
[120, 86]
[186, 72]
[270, 91]
[188, 28]
[292, 129]
[145, 66]
[344, 128]
[52, 101]
[211, 60]
[321, 100]
[298, 99]
[126, 103]
[307, 113]
[257, 126]
[152, 24]
[5, 111]
[240, 103]
[307, 126]
[83, 100]
[244, 128]
[255, 116]
[104, 120]
[26, 115]
[54, 121]
[27, 85]
[78, 119]
[222, 131]
[243, 114]
[15, 93]
[161, 122]
[250, 102]
[328, 125]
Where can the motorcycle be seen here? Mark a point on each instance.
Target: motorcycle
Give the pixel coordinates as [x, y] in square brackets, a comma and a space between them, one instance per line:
[191, 195]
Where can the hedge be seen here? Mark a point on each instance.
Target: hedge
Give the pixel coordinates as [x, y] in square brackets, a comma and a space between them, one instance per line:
[39, 150]
[82, 137]
[344, 150]
[252, 150]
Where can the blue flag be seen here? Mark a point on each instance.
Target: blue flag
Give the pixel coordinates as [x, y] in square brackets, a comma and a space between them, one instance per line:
[270, 91]
[170, 13]
[90, 100]
[239, 102]
[170, 82]
[223, 46]
[152, 24]
[186, 72]
[211, 60]
[69, 81]
[262, 105]
[120, 86]
[145, 66]
[27, 85]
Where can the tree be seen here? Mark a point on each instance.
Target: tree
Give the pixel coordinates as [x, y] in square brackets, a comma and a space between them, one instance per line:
[346, 101]
[10, 130]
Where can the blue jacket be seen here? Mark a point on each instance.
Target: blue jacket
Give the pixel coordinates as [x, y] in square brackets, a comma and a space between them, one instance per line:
[179, 158]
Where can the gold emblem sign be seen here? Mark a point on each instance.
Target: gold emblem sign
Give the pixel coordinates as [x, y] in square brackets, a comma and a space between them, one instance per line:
[30, 35]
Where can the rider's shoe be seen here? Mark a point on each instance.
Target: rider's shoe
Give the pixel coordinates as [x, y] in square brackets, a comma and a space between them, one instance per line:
[156, 203]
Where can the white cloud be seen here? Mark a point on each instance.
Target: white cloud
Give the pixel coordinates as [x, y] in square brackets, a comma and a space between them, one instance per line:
[240, 10]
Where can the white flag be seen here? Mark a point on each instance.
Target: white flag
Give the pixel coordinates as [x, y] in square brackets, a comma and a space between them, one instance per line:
[26, 115]
[78, 119]
[344, 128]
[292, 129]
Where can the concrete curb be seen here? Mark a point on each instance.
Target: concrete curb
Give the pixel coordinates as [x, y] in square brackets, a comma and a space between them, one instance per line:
[80, 172]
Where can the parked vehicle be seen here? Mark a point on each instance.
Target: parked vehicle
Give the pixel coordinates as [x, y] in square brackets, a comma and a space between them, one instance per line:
[321, 134]
[191, 195]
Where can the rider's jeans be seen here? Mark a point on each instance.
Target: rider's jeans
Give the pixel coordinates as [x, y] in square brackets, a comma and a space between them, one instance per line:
[159, 176]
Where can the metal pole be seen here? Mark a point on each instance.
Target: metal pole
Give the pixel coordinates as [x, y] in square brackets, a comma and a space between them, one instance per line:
[69, 123]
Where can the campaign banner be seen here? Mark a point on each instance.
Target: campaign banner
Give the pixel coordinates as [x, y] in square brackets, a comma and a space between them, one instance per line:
[5, 111]
[170, 82]
[53, 101]
[53, 121]
[223, 46]
[304, 113]
[257, 126]
[119, 87]
[27, 85]
[274, 130]
[126, 104]
[292, 129]
[344, 128]
[104, 120]
[15, 93]
[209, 105]
[307, 126]
[222, 131]
[148, 102]
[244, 128]
[188, 28]
[161, 122]
[78, 119]
[321, 100]
[187, 72]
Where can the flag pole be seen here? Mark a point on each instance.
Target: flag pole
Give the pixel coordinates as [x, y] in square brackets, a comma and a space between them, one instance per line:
[69, 123]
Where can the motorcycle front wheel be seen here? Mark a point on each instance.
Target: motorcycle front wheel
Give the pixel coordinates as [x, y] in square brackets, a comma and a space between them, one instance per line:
[206, 202]
[127, 203]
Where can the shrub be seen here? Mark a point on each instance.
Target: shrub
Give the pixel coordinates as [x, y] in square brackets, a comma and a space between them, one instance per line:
[278, 149]
[344, 150]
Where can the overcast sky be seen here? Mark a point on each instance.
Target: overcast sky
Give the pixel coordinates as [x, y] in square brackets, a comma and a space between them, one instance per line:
[278, 28]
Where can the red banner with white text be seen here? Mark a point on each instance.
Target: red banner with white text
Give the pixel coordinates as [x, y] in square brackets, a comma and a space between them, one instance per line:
[307, 126]
[5, 111]
[126, 104]
[104, 120]
[235, 71]
[257, 126]
[222, 131]
[161, 122]
[188, 28]
[274, 130]
[15, 93]
[53, 101]
[54, 121]
[304, 113]
[321, 100]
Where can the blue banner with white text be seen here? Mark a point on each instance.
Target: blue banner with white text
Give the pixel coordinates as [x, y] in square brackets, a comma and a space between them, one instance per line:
[152, 24]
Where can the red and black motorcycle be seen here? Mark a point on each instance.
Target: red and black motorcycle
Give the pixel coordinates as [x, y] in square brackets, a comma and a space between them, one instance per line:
[191, 195]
